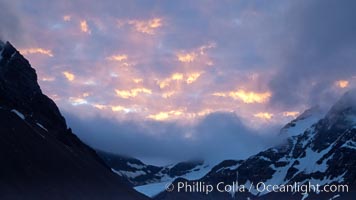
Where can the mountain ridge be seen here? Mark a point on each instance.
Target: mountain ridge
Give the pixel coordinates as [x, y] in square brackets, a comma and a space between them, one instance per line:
[41, 157]
[320, 154]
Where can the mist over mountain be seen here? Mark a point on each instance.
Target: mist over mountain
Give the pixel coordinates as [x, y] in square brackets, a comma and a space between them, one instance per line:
[217, 136]
[319, 154]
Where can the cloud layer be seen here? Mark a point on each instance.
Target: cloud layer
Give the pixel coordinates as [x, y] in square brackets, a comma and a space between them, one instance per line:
[216, 137]
[168, 64]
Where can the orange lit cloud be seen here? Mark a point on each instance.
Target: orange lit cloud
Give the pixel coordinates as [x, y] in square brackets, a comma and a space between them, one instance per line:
[165, 115]
[196, 53]
[166, 82]
[189, 78]
[166, 95]
[85, 94]
[291, 113]
[84, 27]
[99, 106]
[145, 26]
[193, 77]
[177, 76]
[163, 84]
[36, 51]
[246, 96]
[137, 80]
[186, 58]
[67, 18]
[157, 62]
[342, 83]
[69, 76]
[132, 93]
[178, 114]
[117, 108]
[204, 112]
[263, 115]
[119, 57]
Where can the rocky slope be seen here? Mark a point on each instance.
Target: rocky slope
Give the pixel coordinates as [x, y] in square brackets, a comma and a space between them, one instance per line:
[320, 154]
[41, 157]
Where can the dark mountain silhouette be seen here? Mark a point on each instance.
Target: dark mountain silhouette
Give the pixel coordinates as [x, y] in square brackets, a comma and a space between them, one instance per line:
[40, 156]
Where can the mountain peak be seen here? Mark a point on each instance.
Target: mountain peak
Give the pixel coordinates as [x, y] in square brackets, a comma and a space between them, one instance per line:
[344, 108]
[315, 110]
[42, 158]
[302, 122]
[17, 72]
[348, 100]
[19, 90]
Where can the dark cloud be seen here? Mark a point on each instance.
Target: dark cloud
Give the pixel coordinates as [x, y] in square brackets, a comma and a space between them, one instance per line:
[319, 50]
[219, 136]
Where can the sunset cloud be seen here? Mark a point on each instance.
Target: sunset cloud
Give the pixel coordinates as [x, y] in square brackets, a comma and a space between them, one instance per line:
[137, 80]
[189, 79]
[186, 58]
[165, 115]
[84, 27]
[117, 108]
[99, 106]
[118, 57]
[177, 76]
[69, 76]
[46, 52]
[67, 18]
[167, 95]
[342, 83]
[291, 113]
[166, 82]
[144, 26]
[263, 115]
[192, 77]
[246, 96]
[151, 62]
[132, 93]
[196, 54]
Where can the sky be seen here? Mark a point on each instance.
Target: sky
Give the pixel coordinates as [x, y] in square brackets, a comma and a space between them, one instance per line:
[160, 80]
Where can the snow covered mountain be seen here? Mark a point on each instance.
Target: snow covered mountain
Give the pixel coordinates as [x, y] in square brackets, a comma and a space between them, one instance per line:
[40, 156]
[323, 153]
[302, 122]
[149, 179]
